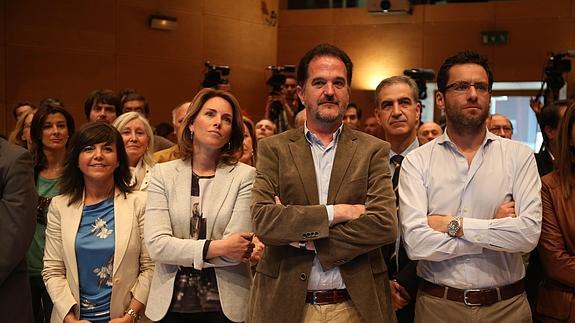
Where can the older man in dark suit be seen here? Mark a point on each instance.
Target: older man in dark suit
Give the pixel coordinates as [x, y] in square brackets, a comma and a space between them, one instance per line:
[17, 222]
[323, 204]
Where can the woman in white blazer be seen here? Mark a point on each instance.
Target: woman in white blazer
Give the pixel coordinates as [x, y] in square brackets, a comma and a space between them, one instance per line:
[139, 143]
[198, 223]
[96, 267]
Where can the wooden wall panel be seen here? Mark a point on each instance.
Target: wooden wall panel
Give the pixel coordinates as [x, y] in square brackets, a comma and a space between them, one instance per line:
[529, 47]
[532, 9]
[160, 5]
[294, 41]
[247, 48]
[37, 73]
[81, 25]
[164, 83]
[253, 11]
[441, 40]
[137, 39]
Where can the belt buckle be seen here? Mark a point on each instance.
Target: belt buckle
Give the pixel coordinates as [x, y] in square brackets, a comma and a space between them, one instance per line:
[465, 292]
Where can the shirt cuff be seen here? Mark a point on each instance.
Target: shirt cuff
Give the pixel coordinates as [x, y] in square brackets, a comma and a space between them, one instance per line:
[205, 250]
[476, 230]
[330, 213]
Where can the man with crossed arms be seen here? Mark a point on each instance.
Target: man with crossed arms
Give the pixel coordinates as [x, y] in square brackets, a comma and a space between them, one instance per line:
[470, 204]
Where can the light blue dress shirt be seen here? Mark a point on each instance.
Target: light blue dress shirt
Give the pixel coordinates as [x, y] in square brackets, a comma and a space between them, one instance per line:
[323, 157]
[437, 179]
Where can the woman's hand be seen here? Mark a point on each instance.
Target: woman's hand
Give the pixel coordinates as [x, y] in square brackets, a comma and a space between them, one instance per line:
[71, 318]
[124, 319]
[257, 252]
[238, 246]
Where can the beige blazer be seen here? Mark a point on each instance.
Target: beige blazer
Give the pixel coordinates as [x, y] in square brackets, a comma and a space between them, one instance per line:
[168, 227]
[133, 267]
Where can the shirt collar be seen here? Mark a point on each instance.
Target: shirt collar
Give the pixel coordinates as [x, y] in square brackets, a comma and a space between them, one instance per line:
[489, 137]
[313, 140]
[404, 153]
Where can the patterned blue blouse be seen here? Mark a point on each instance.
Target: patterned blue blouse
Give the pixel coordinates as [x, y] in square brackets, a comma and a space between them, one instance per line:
[95, 256]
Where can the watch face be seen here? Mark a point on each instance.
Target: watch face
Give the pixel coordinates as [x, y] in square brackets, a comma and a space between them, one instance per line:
[453, 227]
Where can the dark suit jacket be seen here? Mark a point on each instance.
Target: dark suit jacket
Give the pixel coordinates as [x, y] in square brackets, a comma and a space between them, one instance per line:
[17, 222]
[360, 175]
[557, 252]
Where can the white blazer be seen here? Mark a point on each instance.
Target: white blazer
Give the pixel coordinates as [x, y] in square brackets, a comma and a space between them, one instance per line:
[167, 228]
[132, 269]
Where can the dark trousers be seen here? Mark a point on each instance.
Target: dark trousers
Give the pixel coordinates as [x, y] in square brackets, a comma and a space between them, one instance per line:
[207, 317]
[41, 301]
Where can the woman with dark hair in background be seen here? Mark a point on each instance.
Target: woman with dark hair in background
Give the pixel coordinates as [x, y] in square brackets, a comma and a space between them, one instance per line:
[198, 222]
[556, 296]
[96, 267]
[21, 134]
[50, 129]
[248, 154]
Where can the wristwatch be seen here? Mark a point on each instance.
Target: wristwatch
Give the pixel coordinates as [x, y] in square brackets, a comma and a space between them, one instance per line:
[453, 226]
[131, 312]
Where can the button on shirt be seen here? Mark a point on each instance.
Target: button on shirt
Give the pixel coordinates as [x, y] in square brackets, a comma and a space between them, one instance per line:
[436, 179]
[323, 157]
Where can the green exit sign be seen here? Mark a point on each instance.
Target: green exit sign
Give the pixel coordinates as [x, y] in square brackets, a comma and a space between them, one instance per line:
[494, 37]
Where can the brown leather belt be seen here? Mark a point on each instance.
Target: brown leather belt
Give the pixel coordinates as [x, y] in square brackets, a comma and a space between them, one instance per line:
[473, 297]
[322, 297]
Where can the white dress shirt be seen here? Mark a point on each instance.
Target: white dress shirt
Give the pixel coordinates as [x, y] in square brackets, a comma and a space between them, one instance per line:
[437, 179]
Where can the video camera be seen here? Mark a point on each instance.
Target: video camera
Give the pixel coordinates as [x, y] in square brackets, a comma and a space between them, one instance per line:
[276, 81]
[215, 75]
[420, 76]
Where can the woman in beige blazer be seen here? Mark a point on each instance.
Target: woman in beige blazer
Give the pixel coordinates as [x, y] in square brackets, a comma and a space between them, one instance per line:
[198, 224]
[95, 183]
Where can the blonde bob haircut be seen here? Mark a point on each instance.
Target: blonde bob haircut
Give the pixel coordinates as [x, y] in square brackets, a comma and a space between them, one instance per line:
[121, 122]
[229, 151]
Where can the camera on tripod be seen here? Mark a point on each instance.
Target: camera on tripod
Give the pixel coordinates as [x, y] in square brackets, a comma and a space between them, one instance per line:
[276, 82]
[215, 75]
[420, 76]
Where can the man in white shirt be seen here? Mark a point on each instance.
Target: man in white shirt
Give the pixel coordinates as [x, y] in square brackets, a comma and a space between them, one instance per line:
[469, 206]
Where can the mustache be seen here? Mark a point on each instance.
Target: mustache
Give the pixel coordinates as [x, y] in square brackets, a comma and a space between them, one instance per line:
[329, 100]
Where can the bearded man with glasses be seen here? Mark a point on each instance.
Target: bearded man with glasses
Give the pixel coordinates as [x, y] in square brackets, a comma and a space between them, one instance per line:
[469, 206]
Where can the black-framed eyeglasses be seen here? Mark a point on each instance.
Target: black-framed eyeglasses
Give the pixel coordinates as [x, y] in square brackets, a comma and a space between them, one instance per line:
[464, 86]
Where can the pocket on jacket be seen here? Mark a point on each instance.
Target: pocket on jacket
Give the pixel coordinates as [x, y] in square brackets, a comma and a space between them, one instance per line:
[267, 267]
[554, 302]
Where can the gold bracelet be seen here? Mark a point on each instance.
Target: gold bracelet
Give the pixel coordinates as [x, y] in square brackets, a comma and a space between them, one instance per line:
[133, 314]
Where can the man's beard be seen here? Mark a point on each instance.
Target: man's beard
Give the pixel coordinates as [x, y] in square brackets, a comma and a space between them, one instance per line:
[327, 116]
[466, 122]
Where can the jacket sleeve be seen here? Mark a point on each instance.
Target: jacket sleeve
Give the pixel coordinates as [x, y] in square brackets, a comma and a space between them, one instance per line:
[557, 261]
[277, 224]
[162, 245]
[374, 229]
[141, 288]
[17, 211]
[54, 272]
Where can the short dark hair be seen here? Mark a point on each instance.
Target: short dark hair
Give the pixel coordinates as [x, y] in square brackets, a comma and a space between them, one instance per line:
[397, 79]
[357, 109]
[186, 138]
[102, 96]
[91, 133]
[36, 130]
[134, 96]
[464, 57]
[550, 117]
[322, 50]
[21, 104]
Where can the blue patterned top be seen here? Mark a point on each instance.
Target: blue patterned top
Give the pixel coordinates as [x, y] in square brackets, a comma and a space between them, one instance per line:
[95, 256]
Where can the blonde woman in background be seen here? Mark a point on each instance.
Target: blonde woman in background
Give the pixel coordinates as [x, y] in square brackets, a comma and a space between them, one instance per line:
[139, 140]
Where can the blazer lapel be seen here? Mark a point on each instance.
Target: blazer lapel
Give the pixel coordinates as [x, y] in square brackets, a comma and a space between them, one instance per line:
[220, 188]
[303, 160]
[346, 148]
[182, 184]
[70, 223]
[123, 217]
